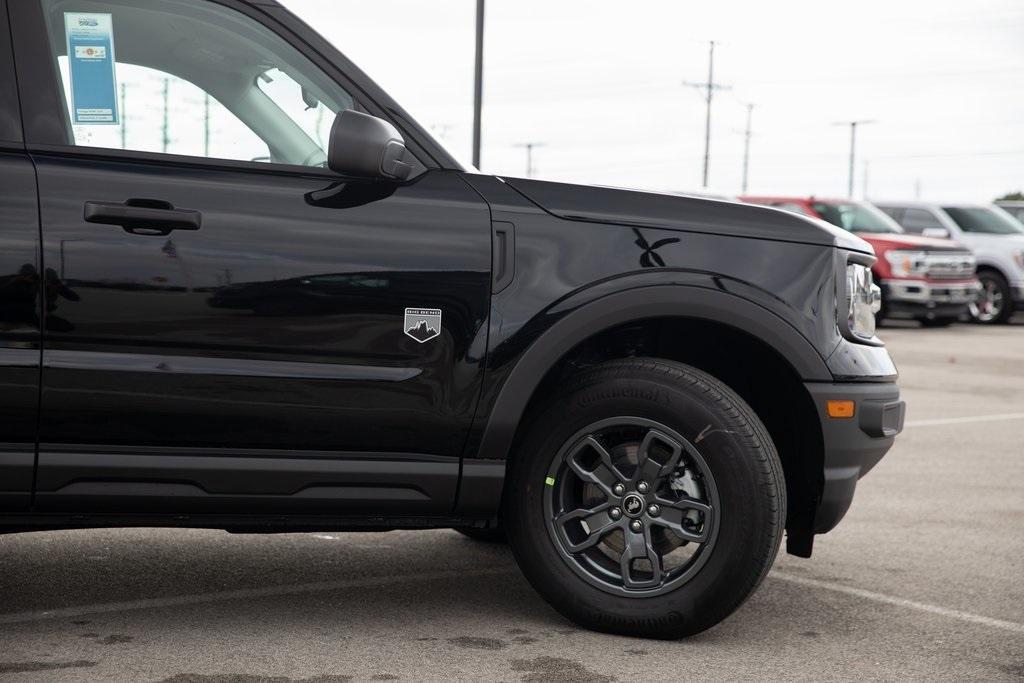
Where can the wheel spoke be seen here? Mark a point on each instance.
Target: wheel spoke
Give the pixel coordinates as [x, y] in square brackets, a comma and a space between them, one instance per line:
[598, 523]
[621, 496]
[604, 475]
[638, 546]
[647, 468]
[674, 515]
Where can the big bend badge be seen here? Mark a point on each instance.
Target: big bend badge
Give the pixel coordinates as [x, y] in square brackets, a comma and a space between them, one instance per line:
[423, 324]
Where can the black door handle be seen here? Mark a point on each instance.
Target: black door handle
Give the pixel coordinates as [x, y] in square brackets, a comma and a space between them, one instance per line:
[143, 216]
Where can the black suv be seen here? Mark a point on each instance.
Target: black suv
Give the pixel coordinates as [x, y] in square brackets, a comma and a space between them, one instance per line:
[241, 289]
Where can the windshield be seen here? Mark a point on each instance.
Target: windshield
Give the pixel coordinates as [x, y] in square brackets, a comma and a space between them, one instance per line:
[856, 217]
[980, 219]
[1016, 211]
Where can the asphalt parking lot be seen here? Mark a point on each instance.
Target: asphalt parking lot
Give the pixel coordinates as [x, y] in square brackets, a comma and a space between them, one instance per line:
[923, 580]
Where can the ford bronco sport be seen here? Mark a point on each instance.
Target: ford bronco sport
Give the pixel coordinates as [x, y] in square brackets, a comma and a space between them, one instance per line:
[242, 289]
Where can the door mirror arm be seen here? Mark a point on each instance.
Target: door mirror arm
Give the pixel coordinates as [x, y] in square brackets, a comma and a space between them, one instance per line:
[365, 146]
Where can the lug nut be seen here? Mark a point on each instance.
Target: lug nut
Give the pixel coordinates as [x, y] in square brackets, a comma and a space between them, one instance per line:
[615, 513]
[618, 489]
[636, 526]
[642, 487]
[653, 510]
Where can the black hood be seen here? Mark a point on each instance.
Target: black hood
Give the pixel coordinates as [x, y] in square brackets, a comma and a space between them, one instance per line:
[675, 212]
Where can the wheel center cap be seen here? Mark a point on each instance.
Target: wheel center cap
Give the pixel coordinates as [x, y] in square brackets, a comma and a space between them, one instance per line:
[633, 505]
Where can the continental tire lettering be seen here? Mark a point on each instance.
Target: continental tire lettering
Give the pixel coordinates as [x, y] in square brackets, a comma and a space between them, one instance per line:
[656, 395]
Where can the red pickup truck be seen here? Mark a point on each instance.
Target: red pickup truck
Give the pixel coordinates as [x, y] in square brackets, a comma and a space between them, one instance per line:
[923, 278]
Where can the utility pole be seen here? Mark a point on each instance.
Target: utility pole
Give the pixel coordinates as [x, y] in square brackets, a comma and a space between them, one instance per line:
[709, 89]
[124, 120]
[746, 147]
[206, 125]
[166, 139]
[853, 145]
[529, 147]
[917, 188]
[478, 81]
[864, 184]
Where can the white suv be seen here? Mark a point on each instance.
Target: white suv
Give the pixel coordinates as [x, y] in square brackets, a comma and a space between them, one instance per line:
[996, 238]
[1014, 207]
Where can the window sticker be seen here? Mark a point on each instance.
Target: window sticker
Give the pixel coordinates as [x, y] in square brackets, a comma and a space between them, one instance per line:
[90, 40]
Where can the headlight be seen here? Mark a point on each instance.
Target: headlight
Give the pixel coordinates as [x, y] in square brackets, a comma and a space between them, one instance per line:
[906, 263]
[863, 300]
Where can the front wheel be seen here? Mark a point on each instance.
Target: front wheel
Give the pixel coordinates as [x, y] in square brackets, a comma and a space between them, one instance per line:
[994, 304]
[646, 499]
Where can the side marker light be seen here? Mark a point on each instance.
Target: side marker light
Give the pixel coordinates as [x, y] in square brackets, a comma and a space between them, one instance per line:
[841, 409]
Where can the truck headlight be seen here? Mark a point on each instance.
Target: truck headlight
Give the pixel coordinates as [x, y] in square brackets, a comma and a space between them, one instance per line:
[907, 263]
[863, 300]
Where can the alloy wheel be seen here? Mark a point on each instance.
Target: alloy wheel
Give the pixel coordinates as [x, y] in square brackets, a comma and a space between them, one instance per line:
[631, 506]
[989, 304]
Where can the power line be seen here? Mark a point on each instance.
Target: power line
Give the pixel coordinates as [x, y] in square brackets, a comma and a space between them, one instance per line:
[709, 89]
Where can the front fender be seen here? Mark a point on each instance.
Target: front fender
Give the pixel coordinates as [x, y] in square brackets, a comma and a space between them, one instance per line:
[580, 322]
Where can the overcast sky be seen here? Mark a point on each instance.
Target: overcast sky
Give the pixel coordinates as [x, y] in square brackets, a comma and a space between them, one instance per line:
[600, 84]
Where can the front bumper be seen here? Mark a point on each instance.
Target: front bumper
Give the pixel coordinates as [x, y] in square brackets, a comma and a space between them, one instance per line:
[925, 299]
[852, 446]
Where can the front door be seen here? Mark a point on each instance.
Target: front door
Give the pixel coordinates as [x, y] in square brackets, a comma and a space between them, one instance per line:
[261, 349]
[19, 295]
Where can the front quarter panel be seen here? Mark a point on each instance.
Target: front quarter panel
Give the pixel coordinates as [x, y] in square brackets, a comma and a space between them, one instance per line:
[563, 265]
[992, 251]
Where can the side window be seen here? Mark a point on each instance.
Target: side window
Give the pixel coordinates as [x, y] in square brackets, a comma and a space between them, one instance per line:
[188, 77]
[10, 117]
[143, 95]
[301, 106]
[916, 220]
[894, 212]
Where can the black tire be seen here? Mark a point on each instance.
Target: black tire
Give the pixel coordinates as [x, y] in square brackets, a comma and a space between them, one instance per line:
[491, 535]
[995, 303]
[731, 444]
[937, 322]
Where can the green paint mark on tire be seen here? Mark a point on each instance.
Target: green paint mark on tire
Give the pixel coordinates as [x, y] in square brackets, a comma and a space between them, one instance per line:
[550, 481]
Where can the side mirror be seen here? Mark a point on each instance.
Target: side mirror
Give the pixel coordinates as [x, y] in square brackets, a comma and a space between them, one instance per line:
[365, 146]
[941, 233]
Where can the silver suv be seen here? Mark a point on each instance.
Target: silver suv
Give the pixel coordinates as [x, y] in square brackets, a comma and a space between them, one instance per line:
[996, 238]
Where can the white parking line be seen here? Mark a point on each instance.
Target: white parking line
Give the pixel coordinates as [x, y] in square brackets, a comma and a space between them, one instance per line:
[998, 417]
[243, 594]
[901, 602]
